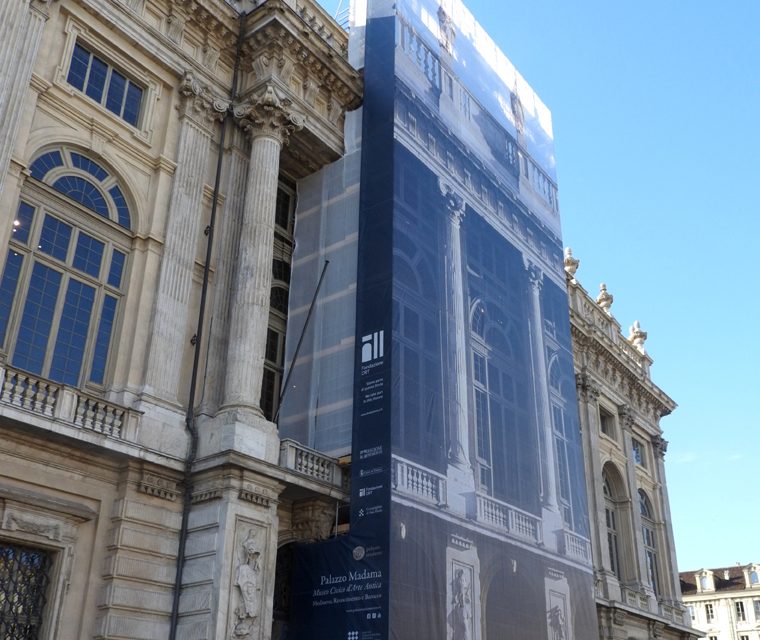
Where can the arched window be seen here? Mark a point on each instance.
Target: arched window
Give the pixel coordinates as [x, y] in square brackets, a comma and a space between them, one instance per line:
[648, 531]
[65, 269]
[612, 519]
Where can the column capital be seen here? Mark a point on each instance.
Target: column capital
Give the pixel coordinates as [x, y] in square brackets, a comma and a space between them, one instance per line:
[587, 388]
[269, 114]
[455, 205]
[535, 273]
[626, 416]
[199, 103]
[660, 446]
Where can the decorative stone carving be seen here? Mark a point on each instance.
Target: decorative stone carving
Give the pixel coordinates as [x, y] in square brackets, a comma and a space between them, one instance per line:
[175, 25]
[200, 102]
[660, 446]
[571, 265]
[158, 486]
[637, 337]
[605, 299]
[313, 520]
[655, 629]
[626, 416]
[618, 617]
[269, 114]
[587, 388]
[37, 525]
[446, 30]
[248, 582]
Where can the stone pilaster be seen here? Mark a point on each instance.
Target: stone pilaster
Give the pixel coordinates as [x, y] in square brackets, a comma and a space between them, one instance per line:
[240, 425]
[228, 242]
[669, 576]
[21, 25]
[541, 386]
[199, 111]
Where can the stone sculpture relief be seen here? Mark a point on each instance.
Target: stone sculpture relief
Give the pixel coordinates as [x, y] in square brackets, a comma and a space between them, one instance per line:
[248, 581]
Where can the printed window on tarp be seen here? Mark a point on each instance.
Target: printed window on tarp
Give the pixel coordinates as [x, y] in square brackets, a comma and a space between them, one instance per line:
[501, 396]
[24, 579]
[65, 270]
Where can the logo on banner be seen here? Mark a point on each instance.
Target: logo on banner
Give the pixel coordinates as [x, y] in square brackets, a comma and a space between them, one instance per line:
[359, 553]
[372, 346]
[352, 635]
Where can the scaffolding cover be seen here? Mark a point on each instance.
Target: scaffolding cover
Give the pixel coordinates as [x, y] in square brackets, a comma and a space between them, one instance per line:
[444, 347]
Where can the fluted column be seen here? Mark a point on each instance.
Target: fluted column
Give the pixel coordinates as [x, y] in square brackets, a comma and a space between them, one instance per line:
[269, 120]
[228, 243]
[457, 329]
[541, 386]
[21, 25]
[199, 110]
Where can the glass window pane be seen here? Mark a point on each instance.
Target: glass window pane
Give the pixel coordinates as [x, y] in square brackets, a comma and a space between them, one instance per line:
[88, 255]
[55, 238]
[103, 340]
[132, 104]
[121, 207]
[23, 222]
[96, 81]
[37, 318]
[8, 286]
[117, 268]
[72, 333]
[83, 192]
[47, 161]
[116, 89]
[78, 68]
[84, 163]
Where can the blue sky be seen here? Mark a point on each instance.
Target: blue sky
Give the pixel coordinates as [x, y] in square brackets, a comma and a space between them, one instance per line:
[655, 108]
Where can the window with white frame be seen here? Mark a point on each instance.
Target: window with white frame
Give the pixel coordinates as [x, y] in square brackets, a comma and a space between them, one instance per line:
[106, 85]
[611, 522]
[743, 636]
[709, 612]
[639, 452]
[649, 535]
[756, 606]
[741, 614]
[65, 269]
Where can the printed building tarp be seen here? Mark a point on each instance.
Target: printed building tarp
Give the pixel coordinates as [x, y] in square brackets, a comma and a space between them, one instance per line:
[468, 509]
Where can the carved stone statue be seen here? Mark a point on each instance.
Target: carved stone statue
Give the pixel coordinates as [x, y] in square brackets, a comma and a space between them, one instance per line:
[556, 623]
[461, 607]
[571, 264]
[637, 337]
[248, 580]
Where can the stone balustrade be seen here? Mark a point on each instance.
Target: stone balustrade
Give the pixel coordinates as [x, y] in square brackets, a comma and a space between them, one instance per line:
[66, 404]
[311, 463]
[418, 482]
[576, 547]
[509, 519]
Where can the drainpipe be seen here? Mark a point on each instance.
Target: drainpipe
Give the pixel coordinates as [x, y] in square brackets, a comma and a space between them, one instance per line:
[190, 424]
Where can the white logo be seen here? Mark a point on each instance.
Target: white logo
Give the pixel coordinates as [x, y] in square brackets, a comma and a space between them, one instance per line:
[372, 346]
[359, 553]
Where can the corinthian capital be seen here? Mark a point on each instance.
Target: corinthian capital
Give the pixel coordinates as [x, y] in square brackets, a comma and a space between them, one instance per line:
[269, 114]
[535, 274]
[454, 202]
[199, 103]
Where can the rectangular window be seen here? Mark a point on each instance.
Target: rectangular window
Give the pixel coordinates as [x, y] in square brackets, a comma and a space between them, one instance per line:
[24, 578]
[743, 637]
[104, 84]
[606, 423]
[638, 451]
[756, 605]
[741, 615]
[709, 612]
[72, 333]
[8, 289]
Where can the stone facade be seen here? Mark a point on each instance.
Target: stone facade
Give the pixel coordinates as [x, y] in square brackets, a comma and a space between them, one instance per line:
[637, 589]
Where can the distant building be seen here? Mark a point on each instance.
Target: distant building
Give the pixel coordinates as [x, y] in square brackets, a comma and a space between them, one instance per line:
[724, 603]
[637, 591]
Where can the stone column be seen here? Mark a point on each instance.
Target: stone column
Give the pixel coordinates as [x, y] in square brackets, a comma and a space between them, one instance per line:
[228, 242]
[541, 388]
[199, 111]
[21, 25]
[457, 330]
[269, 120]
